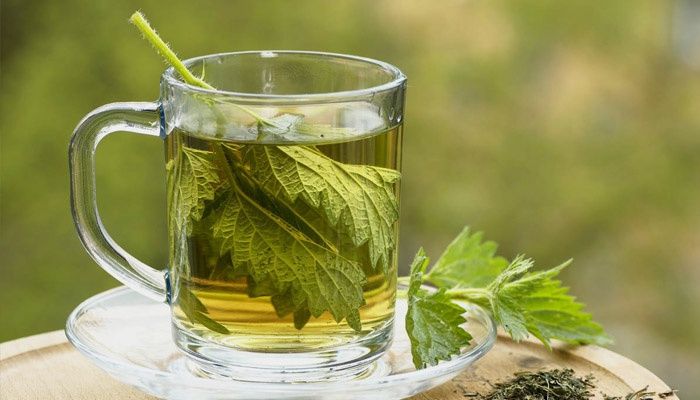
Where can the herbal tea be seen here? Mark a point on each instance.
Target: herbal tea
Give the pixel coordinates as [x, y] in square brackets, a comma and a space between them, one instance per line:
[283, 247]
[283, 235]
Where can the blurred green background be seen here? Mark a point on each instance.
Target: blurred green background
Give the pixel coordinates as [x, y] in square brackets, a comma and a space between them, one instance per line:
[561, 129]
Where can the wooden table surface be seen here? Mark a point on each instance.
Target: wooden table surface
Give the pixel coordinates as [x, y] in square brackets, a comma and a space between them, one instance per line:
[47, 367]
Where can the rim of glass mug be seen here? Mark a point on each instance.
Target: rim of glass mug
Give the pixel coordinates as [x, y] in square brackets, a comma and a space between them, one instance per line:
[395, 78]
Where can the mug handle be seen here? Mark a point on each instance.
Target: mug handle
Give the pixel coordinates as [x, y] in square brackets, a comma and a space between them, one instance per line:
[142, 118]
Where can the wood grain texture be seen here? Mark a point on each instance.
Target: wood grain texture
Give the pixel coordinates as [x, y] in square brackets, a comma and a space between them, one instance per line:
[47, 367]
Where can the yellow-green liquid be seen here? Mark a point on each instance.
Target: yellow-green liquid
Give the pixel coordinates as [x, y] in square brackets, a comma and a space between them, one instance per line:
[252, 321]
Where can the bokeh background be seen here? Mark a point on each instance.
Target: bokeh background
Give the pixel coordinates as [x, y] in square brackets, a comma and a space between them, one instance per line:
[562, 129]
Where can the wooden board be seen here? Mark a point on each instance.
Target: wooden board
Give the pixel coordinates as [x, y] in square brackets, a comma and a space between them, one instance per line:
[47, 367]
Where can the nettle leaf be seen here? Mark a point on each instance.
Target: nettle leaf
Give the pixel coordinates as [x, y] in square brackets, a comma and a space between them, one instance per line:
[433, 321]
[274, 252]
[359, 201]
[284, 305]
[523, 302]
[536, 302]
[418, 267]
[196, 311]
[197, 184]
[547, 309]
[468, 261]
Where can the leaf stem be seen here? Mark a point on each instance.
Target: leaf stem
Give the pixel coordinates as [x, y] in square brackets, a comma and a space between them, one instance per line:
[475, 295]
[150, 34]
[138, 19]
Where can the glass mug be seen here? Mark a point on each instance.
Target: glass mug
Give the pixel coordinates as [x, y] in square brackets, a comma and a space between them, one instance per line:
[283, 200]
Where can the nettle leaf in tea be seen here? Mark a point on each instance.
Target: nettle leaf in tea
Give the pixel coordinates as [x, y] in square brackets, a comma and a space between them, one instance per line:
[357, 202]
[295, 269]
[197, 312]
[313, 275]
[198, 182]
[316, 236]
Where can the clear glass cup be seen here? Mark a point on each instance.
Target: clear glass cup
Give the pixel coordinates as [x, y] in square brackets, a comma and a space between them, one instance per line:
[283, 198]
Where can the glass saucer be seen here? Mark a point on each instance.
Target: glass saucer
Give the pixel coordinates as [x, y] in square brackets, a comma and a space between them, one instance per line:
[129, 336]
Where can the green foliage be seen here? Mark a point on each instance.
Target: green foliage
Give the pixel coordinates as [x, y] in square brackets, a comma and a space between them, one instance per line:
[196, 311]
[526, 302]
[523, 302]
[198, 182]
[312, 276]
[468, 261]
[277, 254]
[432, 321]
[359, 202]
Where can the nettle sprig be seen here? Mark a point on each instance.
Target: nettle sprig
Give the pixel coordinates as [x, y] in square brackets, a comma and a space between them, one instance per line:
[522, 300]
